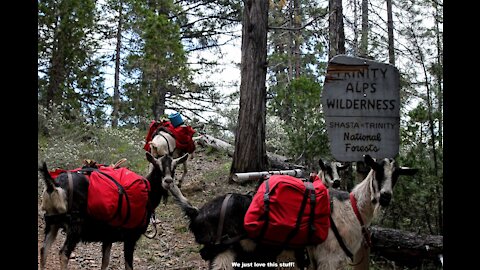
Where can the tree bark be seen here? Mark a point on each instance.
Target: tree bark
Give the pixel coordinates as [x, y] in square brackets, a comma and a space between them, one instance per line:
[336, 30]
[391, 48]
[340, 29]
[433, 139]
[207, 140]
[439, 78]
[406, 248]
[250, 148]
[363, 52]
[57, 72]
[355, 28]
[116, 90]
[297, 22]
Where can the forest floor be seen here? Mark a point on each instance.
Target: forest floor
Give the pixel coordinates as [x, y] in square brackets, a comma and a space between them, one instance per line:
[174, 246]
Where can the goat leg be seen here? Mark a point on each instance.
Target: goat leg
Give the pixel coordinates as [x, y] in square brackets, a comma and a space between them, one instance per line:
[67, 248]
[50, 236]
[106, 248]
[223, 261]
[183, 175]
[128, 248]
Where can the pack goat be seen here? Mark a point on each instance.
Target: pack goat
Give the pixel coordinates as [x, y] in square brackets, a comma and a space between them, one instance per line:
[331, 177]
[79, 226]
[374, 192]
[164, 143]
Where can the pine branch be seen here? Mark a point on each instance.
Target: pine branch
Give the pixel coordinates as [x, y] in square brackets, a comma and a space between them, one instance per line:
[299, 28]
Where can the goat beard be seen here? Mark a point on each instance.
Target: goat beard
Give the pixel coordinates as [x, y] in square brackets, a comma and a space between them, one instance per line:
[376, 209]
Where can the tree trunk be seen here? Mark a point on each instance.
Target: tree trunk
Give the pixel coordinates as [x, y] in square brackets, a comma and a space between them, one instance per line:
[433, 138]
[355, 28]
[250, 148]
[56, 77]
[116, 90]
[364, 39]
[406, 248]
[439, 78]
[291, 42]
[336, 31]
[207, 140]
[297, 19]
[391, 48]
[57, 72]
[340, 29]
[158, 95]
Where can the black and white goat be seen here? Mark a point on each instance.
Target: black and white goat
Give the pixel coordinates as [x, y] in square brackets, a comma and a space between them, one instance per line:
[217, 234]
[66, 207]
[353, 212]
[329, 173]
[164, 143]
[367, 197]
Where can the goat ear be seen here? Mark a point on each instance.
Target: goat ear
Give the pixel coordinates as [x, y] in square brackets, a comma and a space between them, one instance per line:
[342, 166]
[407, 171]
[179, 160]
[370, 162]
[322, 165]
[150, 158]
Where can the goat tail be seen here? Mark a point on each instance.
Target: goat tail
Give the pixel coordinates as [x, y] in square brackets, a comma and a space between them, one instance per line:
[190, 211]
[49, 182]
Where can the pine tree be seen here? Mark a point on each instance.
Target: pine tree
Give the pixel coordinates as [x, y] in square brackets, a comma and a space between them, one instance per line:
[69, 66]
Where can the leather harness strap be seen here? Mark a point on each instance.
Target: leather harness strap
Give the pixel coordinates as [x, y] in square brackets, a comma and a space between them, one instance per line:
[337, 234]
[365, 232]
[70, 191]
[223, 210]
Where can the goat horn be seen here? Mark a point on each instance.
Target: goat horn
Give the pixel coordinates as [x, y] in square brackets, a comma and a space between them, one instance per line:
[120, 162]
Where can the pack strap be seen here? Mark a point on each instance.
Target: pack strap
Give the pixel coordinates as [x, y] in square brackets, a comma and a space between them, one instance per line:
[313, 200]
[223, 211]
[339, 239]
[337, 234]
[266, 209]
[70, 191]
[121, 192]
[308, 189]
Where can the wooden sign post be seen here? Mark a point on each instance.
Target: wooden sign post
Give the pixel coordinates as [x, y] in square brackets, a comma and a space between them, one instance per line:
[361, 104]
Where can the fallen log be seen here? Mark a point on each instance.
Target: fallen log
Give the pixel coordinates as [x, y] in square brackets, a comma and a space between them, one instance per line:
[406, 248]
[207, 140]
[275, 161]
[250, 176]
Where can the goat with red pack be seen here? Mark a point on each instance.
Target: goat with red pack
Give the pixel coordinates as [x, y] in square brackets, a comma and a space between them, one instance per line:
[98, 203]
[343, 220]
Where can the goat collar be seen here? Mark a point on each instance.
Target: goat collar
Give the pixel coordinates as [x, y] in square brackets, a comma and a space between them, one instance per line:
[365, 232]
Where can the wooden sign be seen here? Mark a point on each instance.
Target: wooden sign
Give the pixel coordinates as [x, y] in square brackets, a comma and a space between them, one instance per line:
[361, 105]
